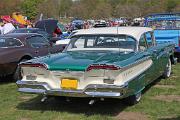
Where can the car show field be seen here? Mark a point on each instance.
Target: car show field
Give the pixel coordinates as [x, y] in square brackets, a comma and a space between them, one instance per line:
[160, 101]
[89, 59]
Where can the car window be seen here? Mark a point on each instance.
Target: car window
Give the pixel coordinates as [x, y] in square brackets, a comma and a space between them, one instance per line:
[37, 41]
[102, 42]
[149, 39]
[80, 42]
[45, 34]
[142, 43]
[9, 42]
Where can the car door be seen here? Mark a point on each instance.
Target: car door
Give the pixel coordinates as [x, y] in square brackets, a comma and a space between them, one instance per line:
[147, 48]
[157, 52]
[39, 46]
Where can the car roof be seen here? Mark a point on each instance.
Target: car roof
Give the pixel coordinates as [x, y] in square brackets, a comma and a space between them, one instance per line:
[135, 32]
[20, 36]
[33, 29]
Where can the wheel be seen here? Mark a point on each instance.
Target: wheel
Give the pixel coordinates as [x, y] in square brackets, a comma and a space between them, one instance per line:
[168, 69]
[17, 73]
[134, 99]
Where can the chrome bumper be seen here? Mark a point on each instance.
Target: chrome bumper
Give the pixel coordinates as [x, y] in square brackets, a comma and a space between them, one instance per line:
[93, 90]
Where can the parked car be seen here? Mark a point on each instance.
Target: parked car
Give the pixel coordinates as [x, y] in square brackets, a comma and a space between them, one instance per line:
[18, 47]
[167, 28]
[77, 24]
[119, 21]
[111, 62]
[100, 23]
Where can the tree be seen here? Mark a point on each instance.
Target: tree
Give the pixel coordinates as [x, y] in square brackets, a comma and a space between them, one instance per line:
[47, 10]
[104, 10]
[30, 9]
[7, 7]
[170, 5]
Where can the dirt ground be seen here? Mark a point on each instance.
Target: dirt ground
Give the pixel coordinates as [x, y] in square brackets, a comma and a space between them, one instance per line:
[131, 116]
[164, 86]
[167, 98]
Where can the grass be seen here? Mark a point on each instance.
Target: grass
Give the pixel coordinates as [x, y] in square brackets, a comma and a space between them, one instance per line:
[20, 106]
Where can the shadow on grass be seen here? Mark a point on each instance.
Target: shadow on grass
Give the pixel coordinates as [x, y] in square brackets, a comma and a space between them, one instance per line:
[7, 79]
[175, 118]
[110, 107]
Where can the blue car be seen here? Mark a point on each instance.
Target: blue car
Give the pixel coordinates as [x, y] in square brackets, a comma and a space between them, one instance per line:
[77, 24]
[166, 28]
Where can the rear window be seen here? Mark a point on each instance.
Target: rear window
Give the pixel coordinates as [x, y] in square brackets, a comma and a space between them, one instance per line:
[37, 41]
[9, 42]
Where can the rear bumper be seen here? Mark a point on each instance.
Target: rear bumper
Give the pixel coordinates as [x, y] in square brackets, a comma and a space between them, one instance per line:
[93, 90]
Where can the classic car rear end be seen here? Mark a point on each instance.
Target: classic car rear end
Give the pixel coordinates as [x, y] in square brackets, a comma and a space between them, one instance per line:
[101, 62]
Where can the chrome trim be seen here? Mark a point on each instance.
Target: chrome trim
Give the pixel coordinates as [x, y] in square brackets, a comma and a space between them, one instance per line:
[92, 90]
[30, 90]
[101, 94]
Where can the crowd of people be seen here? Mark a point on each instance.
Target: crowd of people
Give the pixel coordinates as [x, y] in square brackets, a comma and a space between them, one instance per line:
[63, 30]
[6, 27]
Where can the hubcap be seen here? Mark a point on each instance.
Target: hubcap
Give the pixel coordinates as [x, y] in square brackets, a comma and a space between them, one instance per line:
[138, 96]
[168, 69]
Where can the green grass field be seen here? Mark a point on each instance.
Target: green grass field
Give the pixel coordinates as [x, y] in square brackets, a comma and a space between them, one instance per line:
[20, 106]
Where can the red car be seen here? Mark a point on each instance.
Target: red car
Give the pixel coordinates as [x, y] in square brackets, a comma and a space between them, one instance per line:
[18, 47]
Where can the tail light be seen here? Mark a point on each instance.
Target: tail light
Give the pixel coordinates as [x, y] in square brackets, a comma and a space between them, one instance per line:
[39, 65]
[103, 66]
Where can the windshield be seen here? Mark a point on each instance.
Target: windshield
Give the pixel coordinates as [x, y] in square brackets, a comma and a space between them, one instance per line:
[164, 24]
[102, 42]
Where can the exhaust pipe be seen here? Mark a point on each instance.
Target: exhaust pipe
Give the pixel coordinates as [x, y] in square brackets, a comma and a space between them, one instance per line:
[91, 102]
[44, 99]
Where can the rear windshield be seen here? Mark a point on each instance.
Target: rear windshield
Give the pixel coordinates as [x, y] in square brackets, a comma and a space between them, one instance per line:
[9, 42]
[102, 42]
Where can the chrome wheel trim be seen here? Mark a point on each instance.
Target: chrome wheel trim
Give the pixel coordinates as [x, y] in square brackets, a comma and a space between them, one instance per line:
[138, 96]
[168, 69]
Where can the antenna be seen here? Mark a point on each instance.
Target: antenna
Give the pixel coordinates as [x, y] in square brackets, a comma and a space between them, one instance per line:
[118, 40]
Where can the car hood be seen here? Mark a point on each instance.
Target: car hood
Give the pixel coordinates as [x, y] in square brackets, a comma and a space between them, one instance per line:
[79, 61]
[48, 25]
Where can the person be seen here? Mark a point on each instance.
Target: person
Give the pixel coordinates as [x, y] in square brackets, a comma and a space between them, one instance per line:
[1, 26]
[57, 32]
[8, 27]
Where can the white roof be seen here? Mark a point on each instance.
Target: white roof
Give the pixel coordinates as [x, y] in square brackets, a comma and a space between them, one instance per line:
[135, 32]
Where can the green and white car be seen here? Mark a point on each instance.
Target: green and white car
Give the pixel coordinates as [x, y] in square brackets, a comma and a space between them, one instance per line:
[111, 62]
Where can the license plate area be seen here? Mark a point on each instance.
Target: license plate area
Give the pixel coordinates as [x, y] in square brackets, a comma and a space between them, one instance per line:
[31, 77]
[69, 84]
